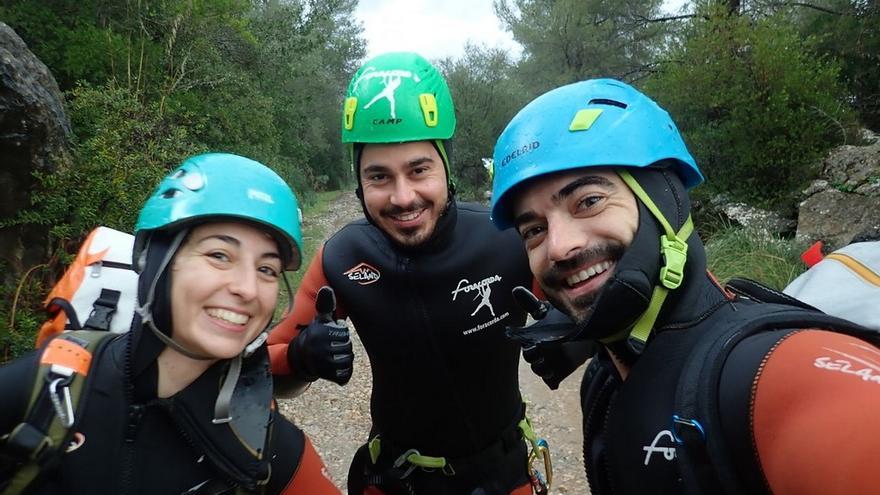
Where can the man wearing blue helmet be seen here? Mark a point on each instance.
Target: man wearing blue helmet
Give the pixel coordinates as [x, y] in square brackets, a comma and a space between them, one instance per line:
[696, 387]
[182, 403]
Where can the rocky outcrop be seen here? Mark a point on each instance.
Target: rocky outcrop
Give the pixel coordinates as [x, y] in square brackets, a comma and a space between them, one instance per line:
[846, 203]
[757, 219]
[34, 133]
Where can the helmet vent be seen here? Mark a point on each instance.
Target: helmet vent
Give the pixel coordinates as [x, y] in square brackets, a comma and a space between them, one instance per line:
[171, 193]
[603, 101]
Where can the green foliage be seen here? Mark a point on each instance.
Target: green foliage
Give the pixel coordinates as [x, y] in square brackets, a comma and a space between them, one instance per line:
[756, 105]
[123, 149]
[570, 40]
[848, 31]
[486, 97]
[737, 252]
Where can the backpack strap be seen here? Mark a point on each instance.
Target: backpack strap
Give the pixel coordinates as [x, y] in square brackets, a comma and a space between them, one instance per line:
[703, 457]
[750, 289]
[102, 310]
[58, 396]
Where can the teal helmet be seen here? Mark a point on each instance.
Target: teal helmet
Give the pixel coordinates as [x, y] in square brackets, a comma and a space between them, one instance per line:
[223, 186]
[595, 123]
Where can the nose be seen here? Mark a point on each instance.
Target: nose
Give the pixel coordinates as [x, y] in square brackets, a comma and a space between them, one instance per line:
[243, 282]
[564, 239]
[403, 194]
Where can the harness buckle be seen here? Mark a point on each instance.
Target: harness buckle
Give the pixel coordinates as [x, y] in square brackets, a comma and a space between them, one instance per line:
[674, 253]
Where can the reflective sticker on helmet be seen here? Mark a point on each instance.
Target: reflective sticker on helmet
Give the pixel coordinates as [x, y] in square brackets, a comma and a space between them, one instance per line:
[260, 196]
[584, 119]
[350, 107]
[429, 108]
[193, 182]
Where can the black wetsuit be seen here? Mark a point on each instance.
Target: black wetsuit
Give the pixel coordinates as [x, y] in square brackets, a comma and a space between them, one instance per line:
[432, 320]
[133, 442]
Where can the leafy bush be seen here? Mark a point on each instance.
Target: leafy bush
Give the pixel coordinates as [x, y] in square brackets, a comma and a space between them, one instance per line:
[755, 104]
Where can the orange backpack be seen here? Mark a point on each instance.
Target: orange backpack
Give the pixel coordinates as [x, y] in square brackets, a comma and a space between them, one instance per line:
[99, 289]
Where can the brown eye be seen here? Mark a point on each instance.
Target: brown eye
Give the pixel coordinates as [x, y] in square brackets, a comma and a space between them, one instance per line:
[589, 202]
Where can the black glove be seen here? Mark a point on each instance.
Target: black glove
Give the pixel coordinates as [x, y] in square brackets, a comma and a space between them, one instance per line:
[323, 347]
[550, 357]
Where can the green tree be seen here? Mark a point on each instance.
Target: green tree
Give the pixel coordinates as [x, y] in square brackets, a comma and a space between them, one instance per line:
[755, 103]
[849, 30]
[486, 97]
[570, 40]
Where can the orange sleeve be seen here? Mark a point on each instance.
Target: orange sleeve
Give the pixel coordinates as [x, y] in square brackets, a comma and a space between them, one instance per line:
[311, 475]
[814, 415]
[302, 314]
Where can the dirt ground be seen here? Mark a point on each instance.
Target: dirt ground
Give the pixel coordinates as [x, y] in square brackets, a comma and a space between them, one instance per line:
[337, 419]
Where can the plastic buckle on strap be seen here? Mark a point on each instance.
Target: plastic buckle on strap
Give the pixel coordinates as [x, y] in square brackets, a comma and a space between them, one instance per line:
[674, 253]
[26, 442]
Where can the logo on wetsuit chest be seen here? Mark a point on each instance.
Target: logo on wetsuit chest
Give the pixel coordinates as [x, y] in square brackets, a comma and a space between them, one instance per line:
[363, 274]
[668, 452]
[483, 289]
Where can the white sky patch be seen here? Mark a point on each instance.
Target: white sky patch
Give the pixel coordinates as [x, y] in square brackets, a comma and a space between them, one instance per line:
[440, 29]
[430, 28]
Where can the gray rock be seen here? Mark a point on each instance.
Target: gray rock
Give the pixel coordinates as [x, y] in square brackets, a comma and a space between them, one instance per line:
[34, 133]
[816, 186]
[837, 217]
[757, 219]
[852, 168]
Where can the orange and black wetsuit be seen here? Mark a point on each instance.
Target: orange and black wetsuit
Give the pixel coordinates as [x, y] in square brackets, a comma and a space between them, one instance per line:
[791, 413]
[432, 321]
[128, 441]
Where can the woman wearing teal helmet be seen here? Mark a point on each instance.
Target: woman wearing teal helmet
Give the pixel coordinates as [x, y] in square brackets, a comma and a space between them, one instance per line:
[695, 387]
[183, 403]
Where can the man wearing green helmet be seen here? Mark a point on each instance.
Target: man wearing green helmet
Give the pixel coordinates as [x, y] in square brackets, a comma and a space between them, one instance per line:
[696, 387]
[182, 403]
[426, 282]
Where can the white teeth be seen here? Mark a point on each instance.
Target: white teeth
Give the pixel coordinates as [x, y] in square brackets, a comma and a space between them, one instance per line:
[230, 316]
[589, 272]
[405, 217]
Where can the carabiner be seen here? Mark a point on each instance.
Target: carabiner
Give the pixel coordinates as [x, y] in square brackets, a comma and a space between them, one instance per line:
[65, 411]
[541, 449]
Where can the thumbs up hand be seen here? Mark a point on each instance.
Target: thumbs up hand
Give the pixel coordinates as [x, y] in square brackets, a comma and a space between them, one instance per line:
[323, 347]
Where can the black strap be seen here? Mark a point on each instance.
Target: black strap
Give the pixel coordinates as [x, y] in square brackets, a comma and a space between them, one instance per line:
[102, 310]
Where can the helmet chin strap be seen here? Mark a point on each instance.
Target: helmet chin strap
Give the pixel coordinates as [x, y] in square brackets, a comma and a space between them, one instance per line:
[673, 248]
[146, 310]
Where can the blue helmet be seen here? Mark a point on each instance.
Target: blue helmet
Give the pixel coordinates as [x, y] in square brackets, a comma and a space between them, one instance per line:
[218, 186]
[595, 123]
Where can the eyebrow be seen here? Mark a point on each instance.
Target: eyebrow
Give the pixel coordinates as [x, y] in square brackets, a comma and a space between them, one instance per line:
[415, 162]
[586, 180]
[565, 192]
[235, 242]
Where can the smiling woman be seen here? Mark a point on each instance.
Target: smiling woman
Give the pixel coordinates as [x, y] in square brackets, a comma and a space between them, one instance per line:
[187, 391]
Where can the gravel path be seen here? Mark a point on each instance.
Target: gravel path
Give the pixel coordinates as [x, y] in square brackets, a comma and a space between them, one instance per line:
[337, 419]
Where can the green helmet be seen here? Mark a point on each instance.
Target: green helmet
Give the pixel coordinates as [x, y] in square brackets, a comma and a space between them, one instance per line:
[222, 185]
[397, 97]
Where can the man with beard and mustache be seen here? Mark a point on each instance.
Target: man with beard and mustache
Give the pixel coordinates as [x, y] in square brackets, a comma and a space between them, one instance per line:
[427, 283]
[697, 387]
